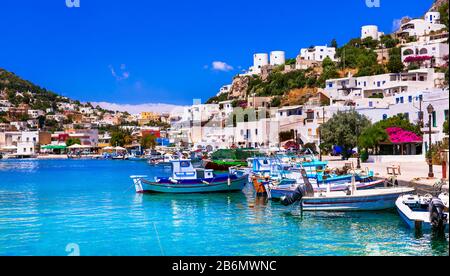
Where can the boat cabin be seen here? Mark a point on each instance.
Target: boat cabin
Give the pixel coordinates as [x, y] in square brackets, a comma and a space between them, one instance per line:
[184, 170]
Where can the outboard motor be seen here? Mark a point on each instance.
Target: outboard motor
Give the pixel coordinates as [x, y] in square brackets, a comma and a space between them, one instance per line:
[437, 215]
[303, 190]
[291, 199]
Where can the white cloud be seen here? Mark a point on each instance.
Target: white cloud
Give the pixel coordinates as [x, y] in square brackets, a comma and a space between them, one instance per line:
[221, 66]
[138, 108]
[123, 74]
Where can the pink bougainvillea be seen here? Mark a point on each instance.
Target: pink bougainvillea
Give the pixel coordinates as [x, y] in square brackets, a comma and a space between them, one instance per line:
[400, 136]
[417, 59]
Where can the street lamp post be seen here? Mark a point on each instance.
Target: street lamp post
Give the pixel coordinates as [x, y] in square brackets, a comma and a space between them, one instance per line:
[430, 110]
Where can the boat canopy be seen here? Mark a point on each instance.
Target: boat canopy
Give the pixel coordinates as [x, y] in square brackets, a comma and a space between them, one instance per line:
[183, 169]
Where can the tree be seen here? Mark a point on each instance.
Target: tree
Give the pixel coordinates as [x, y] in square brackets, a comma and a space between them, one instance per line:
[388, 41]
[372, 136]
[343, 130]
[329, 71]
[72, 141]
[121, 137]
[395, 64]
[148, 141]
[443, 9]
[334, 43]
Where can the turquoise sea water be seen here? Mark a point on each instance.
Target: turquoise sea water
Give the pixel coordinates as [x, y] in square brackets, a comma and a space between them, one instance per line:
[47, 207]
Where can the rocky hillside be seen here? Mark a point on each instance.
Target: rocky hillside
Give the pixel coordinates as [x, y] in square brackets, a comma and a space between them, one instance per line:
[437, 4]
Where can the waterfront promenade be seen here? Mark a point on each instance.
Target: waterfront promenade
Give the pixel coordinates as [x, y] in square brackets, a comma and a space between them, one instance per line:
[412, 173]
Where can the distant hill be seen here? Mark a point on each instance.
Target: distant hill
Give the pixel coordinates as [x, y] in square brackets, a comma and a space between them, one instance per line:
[17, 91]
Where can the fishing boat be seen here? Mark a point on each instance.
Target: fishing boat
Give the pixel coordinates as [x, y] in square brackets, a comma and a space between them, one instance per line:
[349, 200]
[270, 177]
[186, 179]
[424, 213]
[276, 190]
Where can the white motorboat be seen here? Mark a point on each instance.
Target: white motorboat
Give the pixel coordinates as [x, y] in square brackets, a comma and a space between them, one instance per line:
[424, 212]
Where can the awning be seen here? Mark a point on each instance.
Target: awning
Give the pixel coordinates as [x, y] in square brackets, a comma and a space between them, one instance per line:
[78, 146]
[9, 148]
[53, 147]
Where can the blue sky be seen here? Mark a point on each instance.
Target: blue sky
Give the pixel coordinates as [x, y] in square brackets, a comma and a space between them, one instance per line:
[144, 51]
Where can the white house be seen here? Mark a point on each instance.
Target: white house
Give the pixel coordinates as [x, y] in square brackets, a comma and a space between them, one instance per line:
[422, 26]
[351, 89]
[24, 141]
[318, 53]
[438, 51]
[35, 113]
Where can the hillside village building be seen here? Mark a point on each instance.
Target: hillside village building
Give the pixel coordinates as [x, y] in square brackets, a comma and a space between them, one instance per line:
[437, 51]
[318, 53]
[421, 26]
[371, 31]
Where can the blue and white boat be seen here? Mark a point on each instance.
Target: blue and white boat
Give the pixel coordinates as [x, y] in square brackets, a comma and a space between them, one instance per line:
[424, 213]
[279, 181]
[277, 191]
[343, 201]
[186, 179]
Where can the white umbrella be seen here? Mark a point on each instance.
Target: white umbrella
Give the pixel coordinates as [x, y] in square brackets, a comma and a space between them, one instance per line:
[108, 148]
[9, 148]
[120, 149]
[76, 146]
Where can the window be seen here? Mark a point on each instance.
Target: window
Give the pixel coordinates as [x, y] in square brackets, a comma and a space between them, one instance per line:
[385, 116]
[410, 99]
[256, 131]
[401, 100]
[370, 104]
[185, 164]
[445, 114]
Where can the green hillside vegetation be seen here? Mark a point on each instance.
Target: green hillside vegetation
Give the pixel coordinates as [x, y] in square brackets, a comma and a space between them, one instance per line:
[35, 96]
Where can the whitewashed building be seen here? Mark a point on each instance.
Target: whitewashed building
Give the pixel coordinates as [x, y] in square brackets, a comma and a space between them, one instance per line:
[422, 26]
[370, 31]
[437, 50]
[349, 90]
[318, 53]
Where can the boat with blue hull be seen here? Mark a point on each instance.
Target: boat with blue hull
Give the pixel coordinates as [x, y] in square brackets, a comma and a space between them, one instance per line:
[275, 192]
[186, 179]
[269, 176]
[344, 201]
